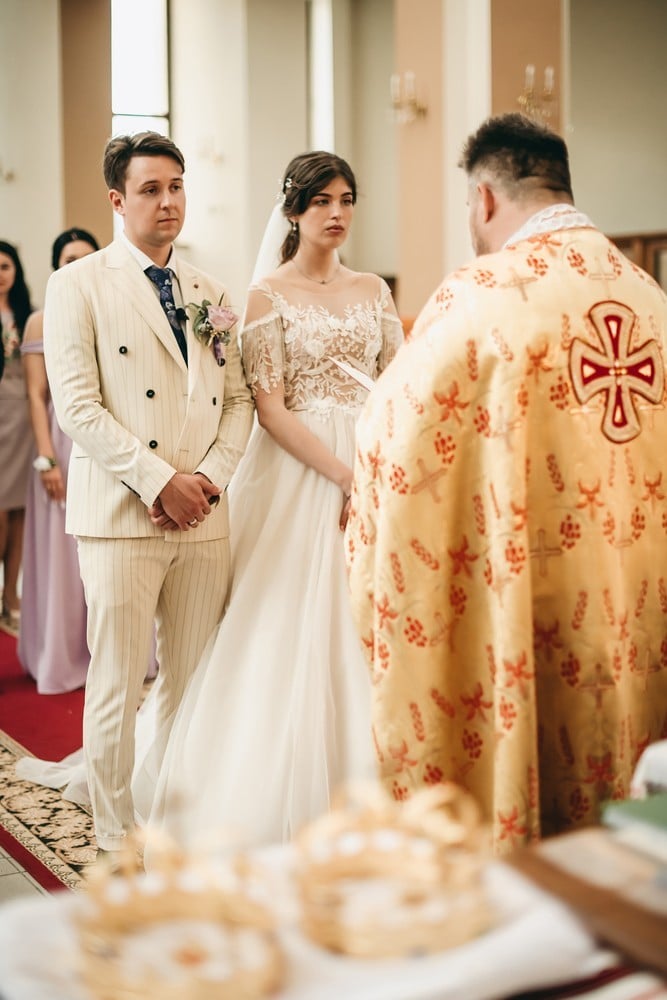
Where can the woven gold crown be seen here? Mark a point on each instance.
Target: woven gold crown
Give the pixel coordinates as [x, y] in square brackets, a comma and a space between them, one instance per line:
[211, 940]
[380, 878]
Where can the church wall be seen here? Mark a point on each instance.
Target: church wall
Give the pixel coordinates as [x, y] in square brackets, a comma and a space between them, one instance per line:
[31, 204]
[372, 143]
[252, 117]
[418, 50]
[240, 94]
[85, 70]
[277, 110]
[617, 134]
[467, 87]
[209, 96]
[526, 34]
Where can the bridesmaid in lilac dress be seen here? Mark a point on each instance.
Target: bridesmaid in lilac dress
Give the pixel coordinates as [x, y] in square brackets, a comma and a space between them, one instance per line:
[52, 643]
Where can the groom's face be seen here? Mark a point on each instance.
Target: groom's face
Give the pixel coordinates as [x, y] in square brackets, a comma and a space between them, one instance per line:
[153, 203]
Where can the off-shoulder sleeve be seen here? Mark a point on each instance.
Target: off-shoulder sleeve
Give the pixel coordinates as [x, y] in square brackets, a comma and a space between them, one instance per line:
[262, 350]
[392, 330]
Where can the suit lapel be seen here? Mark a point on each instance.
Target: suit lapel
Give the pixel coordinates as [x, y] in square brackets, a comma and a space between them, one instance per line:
[136, 287]
[191, 291]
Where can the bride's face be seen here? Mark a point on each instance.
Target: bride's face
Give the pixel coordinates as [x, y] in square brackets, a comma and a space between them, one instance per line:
[326, 222]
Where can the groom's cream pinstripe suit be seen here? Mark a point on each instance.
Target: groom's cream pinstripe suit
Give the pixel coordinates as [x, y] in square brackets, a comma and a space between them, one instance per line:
[137, 414]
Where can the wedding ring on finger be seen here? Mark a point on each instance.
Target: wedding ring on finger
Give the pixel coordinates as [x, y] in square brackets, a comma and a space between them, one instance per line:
[192, 523]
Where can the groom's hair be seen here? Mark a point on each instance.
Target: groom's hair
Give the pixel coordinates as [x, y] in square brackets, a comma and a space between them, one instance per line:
[122, 148]
[519, 154]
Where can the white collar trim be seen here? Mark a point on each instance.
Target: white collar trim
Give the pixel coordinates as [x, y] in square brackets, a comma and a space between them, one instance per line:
[555, 217]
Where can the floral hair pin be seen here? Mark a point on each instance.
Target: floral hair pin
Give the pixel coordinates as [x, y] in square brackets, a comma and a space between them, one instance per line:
[282, 197]
[212, 325]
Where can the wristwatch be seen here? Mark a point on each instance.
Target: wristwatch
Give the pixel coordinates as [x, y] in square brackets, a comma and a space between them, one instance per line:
[43, 463]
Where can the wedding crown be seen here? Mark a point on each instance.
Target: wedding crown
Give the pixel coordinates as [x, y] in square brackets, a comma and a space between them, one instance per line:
[379, 878]
[188, 928]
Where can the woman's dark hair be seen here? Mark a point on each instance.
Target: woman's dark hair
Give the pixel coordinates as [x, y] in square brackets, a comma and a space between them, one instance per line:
[19, 295]
[306, 175]
[70, 236]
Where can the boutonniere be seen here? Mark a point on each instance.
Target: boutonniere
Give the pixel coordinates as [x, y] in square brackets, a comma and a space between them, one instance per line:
[212, 325]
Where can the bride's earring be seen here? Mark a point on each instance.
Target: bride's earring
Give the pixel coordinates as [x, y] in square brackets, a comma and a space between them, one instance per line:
[295, 227]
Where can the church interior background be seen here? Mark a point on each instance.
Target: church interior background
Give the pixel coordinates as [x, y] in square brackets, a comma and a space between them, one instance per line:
[394, 86]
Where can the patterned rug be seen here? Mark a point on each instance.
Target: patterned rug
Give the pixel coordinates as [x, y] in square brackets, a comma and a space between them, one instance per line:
[57, 833]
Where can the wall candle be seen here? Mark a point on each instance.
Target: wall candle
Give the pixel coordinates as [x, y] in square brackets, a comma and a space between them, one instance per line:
[409, 87]
[549, 80]
[530, 76]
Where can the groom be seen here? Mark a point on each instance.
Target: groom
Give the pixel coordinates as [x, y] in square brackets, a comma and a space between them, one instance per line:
[159, 424]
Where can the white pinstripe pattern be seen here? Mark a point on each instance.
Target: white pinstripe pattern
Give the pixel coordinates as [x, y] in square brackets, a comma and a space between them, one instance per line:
[119, 383]
[127, 583]
[136, 415]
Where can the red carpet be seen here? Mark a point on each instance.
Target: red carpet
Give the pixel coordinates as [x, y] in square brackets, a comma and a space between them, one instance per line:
[49, 725]
[29, 862]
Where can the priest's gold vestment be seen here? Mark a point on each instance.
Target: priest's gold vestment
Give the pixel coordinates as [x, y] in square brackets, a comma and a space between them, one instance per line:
[507, 546]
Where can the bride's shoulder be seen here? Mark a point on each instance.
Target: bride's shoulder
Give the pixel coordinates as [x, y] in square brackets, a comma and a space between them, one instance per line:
[271, 287]
[274, 279]
[366, 283]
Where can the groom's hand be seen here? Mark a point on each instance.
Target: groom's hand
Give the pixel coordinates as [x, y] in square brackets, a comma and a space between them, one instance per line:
[185, 500]
[159, 518]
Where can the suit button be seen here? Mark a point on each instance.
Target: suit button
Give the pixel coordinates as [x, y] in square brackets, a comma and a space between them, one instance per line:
[122, 350]
[150, 393]
[152, 444]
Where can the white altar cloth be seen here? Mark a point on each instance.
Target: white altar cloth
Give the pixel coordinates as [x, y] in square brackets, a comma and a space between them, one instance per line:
[538, 942]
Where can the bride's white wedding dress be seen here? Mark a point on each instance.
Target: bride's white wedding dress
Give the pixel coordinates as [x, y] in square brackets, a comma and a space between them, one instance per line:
[277, 713]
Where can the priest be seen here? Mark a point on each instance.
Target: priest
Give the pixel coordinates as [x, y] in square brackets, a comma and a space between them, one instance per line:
[507, 545]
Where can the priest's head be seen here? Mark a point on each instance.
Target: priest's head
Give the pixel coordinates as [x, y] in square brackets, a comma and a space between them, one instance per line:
[515, 168]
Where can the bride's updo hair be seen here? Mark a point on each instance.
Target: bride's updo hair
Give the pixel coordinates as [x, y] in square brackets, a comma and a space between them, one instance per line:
[306, 175]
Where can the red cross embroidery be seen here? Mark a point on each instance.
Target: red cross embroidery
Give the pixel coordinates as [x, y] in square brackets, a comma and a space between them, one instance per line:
[616, 370]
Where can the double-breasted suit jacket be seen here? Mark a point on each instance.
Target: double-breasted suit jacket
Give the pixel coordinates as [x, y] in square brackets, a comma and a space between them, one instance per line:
[135, 411]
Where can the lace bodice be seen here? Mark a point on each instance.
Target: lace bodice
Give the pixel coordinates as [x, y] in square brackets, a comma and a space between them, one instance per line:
[294, 346]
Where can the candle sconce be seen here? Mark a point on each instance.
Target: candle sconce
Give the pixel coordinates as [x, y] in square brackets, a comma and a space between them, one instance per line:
[539, 106]
[405, 107]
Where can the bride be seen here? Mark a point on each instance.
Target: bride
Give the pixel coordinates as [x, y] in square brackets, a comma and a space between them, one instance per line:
[277, 713]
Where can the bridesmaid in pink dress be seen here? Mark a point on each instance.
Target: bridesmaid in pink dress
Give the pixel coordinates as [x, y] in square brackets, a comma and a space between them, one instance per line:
[52, 643]
[15, 445]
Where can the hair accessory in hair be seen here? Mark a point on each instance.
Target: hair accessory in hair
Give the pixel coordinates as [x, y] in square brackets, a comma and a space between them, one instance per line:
[284, 188]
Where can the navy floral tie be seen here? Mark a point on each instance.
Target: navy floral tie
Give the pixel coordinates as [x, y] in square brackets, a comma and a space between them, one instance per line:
[161, 277]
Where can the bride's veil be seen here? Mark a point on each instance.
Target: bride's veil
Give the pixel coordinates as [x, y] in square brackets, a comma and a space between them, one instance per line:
[268, 257]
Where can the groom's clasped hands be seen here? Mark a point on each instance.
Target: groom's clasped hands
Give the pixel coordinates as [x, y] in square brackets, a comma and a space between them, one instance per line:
[184, 502]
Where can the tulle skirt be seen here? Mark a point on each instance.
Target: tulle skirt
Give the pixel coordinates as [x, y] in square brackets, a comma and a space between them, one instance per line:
[277, 713]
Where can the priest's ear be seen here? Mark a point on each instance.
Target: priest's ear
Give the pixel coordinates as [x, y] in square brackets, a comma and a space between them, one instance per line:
[487, 201]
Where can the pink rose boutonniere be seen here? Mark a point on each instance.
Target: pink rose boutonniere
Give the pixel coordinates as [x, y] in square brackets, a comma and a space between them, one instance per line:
[212, 325]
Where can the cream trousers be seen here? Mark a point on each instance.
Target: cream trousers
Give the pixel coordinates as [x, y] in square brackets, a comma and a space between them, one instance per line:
[130, 584]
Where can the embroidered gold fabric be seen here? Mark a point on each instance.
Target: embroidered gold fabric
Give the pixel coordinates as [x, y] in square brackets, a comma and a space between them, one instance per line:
[507, 546]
